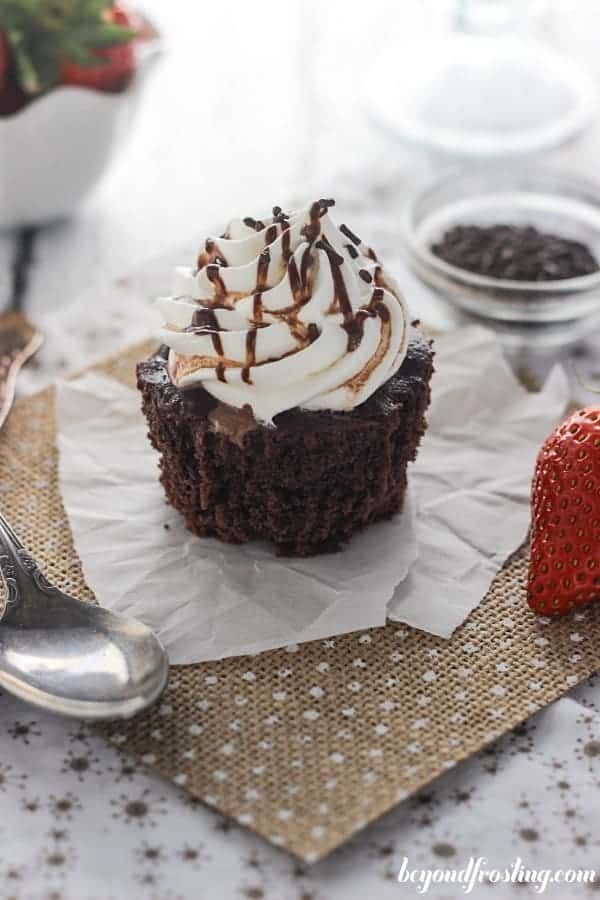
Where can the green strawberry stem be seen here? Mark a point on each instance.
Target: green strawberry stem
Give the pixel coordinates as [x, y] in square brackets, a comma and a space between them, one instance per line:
[42, 34]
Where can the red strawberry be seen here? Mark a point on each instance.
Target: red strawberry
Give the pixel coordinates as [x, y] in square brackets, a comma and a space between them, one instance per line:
[564, 571]
[115, 64]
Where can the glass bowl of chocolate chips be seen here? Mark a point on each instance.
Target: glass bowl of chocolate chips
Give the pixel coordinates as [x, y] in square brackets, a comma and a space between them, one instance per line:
[520, 245]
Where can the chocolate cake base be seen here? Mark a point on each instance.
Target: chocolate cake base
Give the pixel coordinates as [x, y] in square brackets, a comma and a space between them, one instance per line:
[307, 484]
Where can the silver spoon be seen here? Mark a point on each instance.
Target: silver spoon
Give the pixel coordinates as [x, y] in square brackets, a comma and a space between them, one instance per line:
[69, 657]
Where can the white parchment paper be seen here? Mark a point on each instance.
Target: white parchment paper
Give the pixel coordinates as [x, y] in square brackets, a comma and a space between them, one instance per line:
[472, 478]
[208, 600]
[205, 599]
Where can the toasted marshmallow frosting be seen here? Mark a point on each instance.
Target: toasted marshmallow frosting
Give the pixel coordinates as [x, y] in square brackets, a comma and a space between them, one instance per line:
[283, 312]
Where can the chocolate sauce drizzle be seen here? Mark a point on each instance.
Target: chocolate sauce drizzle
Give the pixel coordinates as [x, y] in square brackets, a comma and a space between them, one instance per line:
[312, 332]
[210, 254]
[204, 318]
[341, 298]
[262, 269]
[305, 264]
[214, 276]
[282, 218]
[356, 326]
[354, 323]
[254, 223]
[205, 321]
[296, 282]
[257, 307]
[313, 227]
[285, 242]
[318, 209]
[250, 354]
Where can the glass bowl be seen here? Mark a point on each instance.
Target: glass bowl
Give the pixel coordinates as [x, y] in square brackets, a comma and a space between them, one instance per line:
[552, 201]
[481, 96]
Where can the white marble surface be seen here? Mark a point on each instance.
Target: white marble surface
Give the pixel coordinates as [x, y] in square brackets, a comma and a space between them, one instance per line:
[254, 104]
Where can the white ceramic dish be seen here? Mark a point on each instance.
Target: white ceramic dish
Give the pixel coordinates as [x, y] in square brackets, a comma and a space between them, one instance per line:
[54, 151]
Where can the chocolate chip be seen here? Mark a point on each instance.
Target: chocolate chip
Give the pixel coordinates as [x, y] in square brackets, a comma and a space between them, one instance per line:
[515, 252]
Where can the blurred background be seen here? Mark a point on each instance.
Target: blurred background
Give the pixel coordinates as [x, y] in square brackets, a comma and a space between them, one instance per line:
[263, 102]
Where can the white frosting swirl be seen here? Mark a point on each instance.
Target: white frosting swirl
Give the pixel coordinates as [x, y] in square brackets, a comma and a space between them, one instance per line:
[283, 312]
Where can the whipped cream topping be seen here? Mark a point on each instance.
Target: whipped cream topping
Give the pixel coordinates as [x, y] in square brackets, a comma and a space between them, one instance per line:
[285, 311]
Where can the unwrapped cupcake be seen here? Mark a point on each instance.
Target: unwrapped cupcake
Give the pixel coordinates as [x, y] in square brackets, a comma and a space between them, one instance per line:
[290, 390]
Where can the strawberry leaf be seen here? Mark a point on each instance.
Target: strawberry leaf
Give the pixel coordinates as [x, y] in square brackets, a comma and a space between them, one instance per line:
[26, 72]
[102, 34]
[95, 8]
[37, 68]
[80, 55]
[43, 33]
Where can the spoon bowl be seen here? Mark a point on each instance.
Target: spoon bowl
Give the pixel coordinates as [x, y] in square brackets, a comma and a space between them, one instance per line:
[69, 657]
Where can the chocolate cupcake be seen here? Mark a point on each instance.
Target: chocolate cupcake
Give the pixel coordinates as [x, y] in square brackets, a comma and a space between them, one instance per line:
[290, 391]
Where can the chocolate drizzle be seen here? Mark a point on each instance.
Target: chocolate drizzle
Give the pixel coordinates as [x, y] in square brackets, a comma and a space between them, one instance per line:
[312, 332]
[341, 297]
[334, 257]
[378, 305]
[253, 223]
[214, 276]
[257, 307]
[353, 322]
[355, 326]
[210, 254]
[280, 216]
[355, 330]
[300, 268]
[312, 229]
[204, 321]
[286, 251]
[205, 317]
[250, 354]
[296, 284]
[262, 269]
[305, 264]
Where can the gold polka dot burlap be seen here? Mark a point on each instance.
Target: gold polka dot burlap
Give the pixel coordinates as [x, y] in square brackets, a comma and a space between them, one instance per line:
[308, 744]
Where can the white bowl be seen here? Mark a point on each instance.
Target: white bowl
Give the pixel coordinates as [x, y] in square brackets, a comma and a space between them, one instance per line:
[54, 151]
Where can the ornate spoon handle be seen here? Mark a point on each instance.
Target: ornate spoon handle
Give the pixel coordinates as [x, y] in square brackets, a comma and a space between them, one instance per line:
[10, 565]
[20, 572]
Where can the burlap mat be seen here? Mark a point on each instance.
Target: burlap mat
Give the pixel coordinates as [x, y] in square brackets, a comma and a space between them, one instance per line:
[307, 745]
